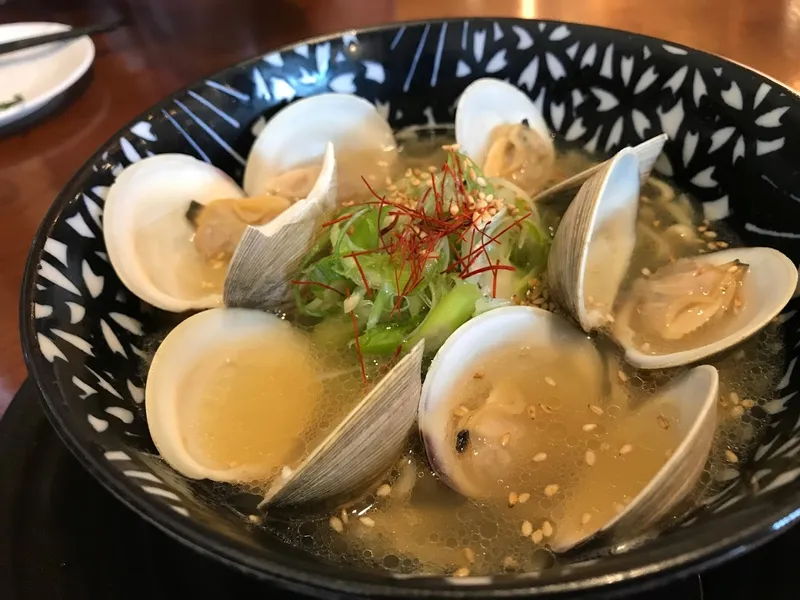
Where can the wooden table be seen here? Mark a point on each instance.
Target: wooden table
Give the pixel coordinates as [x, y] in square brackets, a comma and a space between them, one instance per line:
[167, 44]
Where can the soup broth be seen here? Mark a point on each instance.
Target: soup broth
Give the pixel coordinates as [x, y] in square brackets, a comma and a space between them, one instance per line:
[588, 457]
[574, 461]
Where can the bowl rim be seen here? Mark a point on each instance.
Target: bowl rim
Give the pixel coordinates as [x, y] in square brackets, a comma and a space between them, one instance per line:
[678, 556]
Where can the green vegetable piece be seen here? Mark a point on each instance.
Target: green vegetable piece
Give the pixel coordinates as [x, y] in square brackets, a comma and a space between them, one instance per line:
[384, 340]
[452, 311]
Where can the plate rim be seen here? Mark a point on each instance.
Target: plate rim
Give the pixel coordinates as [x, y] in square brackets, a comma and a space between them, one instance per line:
[669, 560]
[27, 107]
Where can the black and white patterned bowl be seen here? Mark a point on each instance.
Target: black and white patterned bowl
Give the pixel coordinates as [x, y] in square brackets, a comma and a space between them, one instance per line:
[735, 146]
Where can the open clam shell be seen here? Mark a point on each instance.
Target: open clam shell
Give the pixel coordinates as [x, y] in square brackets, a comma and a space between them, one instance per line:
[484, 108]
[288, 152]
[693, 397]
[542, 333]
[647, 152]
[180, 374]
[594, 242]
[268, 256]
[148, 237]
[366, 442]
[767, 286]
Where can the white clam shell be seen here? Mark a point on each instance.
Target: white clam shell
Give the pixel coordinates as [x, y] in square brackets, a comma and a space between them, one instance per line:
[366, 442]
[269, 255]
[158, 190]
[694, 397]
[297, 136]
[768, 286]
[487, 103]
[543, 333]
[175, 363]
[594, 242]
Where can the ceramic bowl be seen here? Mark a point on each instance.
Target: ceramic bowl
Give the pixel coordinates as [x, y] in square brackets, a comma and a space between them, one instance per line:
[734, 146]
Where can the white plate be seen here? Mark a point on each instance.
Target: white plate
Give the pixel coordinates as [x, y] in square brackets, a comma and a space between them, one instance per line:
[42, 73]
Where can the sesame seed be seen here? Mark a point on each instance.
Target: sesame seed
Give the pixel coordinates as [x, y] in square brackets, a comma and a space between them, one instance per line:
[478, 375]
[646, 346]
[348, 203]
[527, 528]
[409, 172]
[462, 572]
[734, 398]
[367, 521]
[546, 409]
[532, 411]
[737, 411]
[748, 404]
[472, 174]
[663, 422]
[646, 272]
[286, 472]
[596, 409]
[550, 381]
[540, 457]
[524, 497]
[537, 536]
[344, 517]
[731, 457]
[589, 427]
[605, 446]
[722, 244]
[551, 490]
[711, 245]
[384, 491]
[513, 498]
[626, 449]
[255, 519]
[547, 529]
[622, 377]
[509, 563]
[710, 234]
[585, 518]
[454, 209]
[336, 524]
[668, 452]
[618, 507]
[505, 439]
[702, 228]
[469, 555]
[591, 458]
[480, 181]
[461, 411]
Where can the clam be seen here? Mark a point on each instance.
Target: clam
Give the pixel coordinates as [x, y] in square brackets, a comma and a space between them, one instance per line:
[268, 256]
[194, 358]
[287, 155]
[700, 306]
[686, 311]
[200, 375]
[692, 398]
[594, 242]
[149, 239]
[548, 339]
[647, 152]
[365, 443]
[500, 128]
